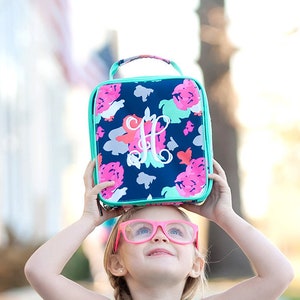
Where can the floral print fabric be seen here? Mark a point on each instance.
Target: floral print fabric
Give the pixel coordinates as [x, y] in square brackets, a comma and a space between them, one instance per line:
[149, 139]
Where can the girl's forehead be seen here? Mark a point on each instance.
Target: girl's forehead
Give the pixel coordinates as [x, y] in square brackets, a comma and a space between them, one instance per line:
[158, 213]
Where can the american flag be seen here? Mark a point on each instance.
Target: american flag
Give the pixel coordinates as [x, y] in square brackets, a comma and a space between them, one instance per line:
[56, 17]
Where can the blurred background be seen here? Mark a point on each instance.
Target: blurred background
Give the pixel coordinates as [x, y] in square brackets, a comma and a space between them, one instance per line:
[53, 53]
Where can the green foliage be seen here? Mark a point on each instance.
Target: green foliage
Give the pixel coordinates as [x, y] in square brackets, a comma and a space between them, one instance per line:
[292, 293]
[78, 267]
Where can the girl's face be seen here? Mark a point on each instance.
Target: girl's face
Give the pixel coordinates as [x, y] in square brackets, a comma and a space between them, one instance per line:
[157, 260]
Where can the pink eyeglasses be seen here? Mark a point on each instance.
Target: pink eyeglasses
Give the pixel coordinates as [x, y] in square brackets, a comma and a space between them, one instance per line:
[141, 230]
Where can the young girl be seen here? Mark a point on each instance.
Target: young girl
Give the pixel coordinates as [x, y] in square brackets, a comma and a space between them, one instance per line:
[152, 251]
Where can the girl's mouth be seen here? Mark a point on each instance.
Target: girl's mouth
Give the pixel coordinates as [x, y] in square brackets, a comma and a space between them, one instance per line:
[159, 252]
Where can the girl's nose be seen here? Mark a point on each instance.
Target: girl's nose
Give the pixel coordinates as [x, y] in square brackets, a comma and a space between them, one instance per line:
[159, 236]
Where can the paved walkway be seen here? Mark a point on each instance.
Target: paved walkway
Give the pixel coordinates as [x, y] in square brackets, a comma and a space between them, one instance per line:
[24, 293]
[27, 293]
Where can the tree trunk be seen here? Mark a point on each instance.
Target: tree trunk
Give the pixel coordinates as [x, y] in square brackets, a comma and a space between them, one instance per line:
[225, 258]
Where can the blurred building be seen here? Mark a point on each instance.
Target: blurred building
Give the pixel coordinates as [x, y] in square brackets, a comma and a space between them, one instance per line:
[33, 145]
[37, 73]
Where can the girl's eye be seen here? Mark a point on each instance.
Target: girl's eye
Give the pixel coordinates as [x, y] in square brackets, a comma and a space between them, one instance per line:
[143, 231]
[175, 232]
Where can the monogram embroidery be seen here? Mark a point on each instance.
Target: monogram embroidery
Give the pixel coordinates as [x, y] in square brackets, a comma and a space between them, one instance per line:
[149, 137]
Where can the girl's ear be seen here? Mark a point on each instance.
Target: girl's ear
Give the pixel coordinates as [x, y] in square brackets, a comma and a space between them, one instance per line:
[116, 266]
[197, 267]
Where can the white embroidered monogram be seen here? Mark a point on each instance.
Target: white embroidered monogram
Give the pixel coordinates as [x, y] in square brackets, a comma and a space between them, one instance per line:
[148, 141]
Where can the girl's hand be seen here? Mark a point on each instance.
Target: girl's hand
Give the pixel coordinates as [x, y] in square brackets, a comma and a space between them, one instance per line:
[91, 203]
[219, 202]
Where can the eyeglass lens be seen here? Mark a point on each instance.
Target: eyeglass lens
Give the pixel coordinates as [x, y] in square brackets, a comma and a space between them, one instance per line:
[140, 231]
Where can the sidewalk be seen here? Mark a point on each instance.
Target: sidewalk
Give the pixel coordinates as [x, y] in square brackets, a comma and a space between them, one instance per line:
[24, 293]
[27, 293]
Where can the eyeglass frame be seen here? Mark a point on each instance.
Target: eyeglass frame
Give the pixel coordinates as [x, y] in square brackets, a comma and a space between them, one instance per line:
[155, 224]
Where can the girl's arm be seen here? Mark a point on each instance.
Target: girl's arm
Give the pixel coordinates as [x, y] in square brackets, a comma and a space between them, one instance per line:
[43, 269]
[273, 270]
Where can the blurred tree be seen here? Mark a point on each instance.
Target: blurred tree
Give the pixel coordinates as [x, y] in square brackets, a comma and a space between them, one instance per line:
[225, 258]
[13, 257]
[78, 267]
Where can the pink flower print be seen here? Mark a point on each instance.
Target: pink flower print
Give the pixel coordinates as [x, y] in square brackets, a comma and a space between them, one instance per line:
[107, 94]
[108, 172]
[190, 182]
[197, 166]
[99, 160]
[186, 95]
[189, 127]
[99, 133]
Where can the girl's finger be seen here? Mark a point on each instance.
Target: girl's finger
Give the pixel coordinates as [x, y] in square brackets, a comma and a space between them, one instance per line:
[219, 170]
[88, 175]
[101, 186]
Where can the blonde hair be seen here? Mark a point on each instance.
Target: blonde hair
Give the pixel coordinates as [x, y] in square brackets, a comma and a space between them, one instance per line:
[121, 290]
